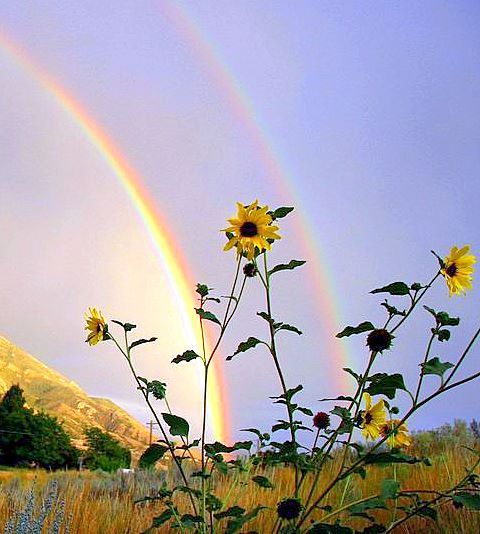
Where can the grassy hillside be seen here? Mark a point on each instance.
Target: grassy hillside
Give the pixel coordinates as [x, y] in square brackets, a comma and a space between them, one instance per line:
[47, 390]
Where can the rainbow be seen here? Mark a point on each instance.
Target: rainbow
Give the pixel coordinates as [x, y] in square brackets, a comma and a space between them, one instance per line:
[243, 109]
[177, 270]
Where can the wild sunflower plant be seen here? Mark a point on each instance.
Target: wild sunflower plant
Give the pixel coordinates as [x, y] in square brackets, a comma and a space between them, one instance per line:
[368, 411]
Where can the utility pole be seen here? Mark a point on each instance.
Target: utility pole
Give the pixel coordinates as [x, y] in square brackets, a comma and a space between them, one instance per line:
[151, 424]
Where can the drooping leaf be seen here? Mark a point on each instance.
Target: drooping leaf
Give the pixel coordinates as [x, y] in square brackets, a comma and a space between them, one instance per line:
[385, 384]
[126, 326]
[428, 511]
[391, 309]
[443, 335]
[151, 455]
[262, 481]
[443, 318]
[187, 356]
[289, 327]
[157, 389]
[353, 373]
[350, 330]
[396, 288]
[245, 345]
[292, 264]
[207, 316]
[469, 500]
[178, 426]
[159, 520]
[390, 457]
[142, 341]
[389, 488]
[436, 367]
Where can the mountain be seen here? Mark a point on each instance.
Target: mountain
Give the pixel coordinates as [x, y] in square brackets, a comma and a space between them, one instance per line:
[47, 390]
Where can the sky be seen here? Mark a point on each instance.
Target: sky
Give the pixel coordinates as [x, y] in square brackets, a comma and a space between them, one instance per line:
[362, 115]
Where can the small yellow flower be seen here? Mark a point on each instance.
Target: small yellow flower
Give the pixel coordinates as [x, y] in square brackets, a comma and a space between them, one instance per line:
[96, 326]
[373, 417]
[397, 436]
[458, 270]
[251, 229]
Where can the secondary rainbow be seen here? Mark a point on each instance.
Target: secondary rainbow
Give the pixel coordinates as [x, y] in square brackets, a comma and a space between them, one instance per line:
[243, 109]
[176, 268]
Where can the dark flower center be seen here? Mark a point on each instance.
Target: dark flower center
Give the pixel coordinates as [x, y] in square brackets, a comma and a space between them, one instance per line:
[379, 340]
[451, 270]
[321, 420]
[289, 509]
[248, 229]
[249, 270]
[368, 418]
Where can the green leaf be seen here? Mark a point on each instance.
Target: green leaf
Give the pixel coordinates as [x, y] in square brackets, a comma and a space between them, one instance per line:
[142, 341]
[244, 346]
[325, 528]
[390, 488]
[288, 395]
[189, 520]
[286, 266]
[126, 326]
[469, 500]
[289, 327]
[385, 384]
[397, 288]
[340, 398]
[443, 318]
[428, 511]
[371, 504]
[443, 335]
[206, 315]
[266, 317]
[342, 412]
[151, 455]
[280, 213]
[187, 356]
[159, 520]
[157, 389]
[202, 290]
[262, 481]
[390, 457]
[217, 447]
[392, 310]
[350, 330]
[234, 511]
[234, 525]
[305, 411]
[436, 367]
[353, 373]
[178, 426]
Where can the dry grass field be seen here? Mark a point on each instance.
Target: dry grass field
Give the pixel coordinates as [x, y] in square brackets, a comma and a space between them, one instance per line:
[102, 503]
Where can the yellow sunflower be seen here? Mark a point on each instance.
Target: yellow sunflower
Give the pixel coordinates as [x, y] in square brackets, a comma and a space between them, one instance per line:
[397, 435]
[96, 326]
[251, 229]
[373, 417]
[458, 270]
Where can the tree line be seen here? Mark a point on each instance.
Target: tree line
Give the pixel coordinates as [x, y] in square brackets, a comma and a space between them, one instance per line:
[29, 439]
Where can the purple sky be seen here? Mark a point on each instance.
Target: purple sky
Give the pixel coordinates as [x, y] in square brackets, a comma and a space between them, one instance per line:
[372, 111]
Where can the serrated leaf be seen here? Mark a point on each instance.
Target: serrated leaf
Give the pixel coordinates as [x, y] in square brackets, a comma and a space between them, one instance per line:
[262, 481]
[436, 367]
[157, 389]
[141, 342]
[282, 212]
[187, 356]
[207, 315]
[289, 327]
[350, 330]
[244, 346]
[469, 500]
[151, 455]
[396, 288]
[385, 384]
[292, 264]
[178, 426]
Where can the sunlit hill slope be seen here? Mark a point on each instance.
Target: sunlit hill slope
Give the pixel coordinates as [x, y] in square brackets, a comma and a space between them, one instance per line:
[47, 390]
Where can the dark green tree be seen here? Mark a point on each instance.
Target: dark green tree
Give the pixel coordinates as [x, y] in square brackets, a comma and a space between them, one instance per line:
[104, 452]
[26, 437]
